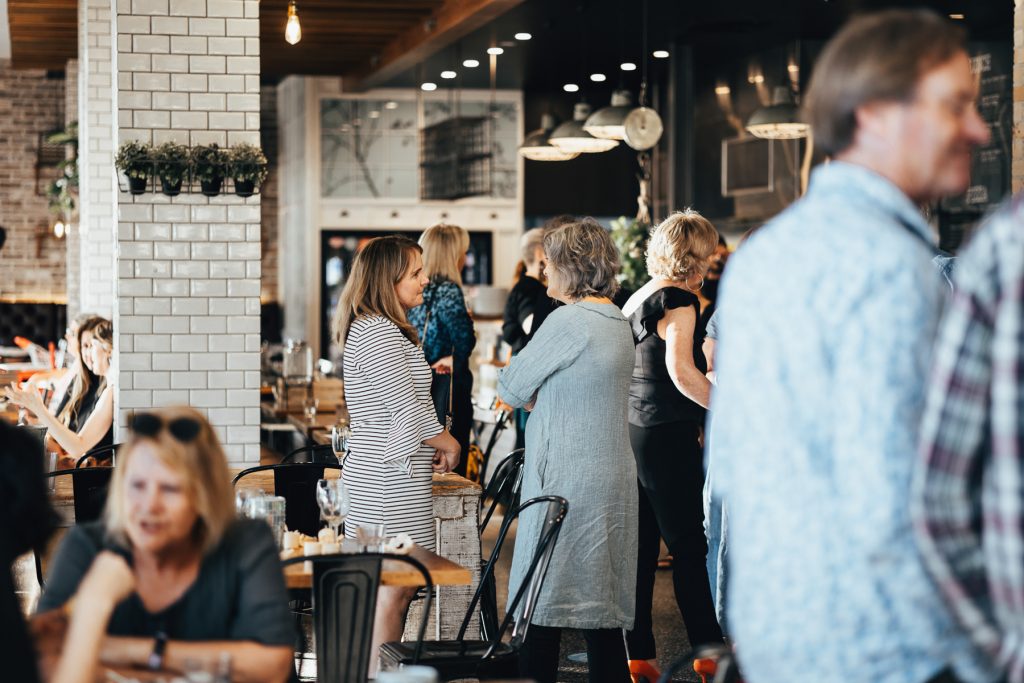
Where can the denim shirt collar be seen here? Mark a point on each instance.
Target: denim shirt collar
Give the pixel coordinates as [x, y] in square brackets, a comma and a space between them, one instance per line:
[852, 179]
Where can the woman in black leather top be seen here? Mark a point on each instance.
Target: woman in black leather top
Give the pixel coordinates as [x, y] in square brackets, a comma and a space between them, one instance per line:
[668, 398]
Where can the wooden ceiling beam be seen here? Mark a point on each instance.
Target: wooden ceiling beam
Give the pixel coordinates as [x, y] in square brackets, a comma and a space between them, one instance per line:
[448, 23]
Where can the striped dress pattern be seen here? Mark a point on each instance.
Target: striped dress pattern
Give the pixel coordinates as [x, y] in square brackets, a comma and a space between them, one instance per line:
[388, 469]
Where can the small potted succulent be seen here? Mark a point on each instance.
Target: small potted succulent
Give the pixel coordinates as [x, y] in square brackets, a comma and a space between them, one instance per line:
[171, 167]
[134, 159]
[247, 167]
[209, 162]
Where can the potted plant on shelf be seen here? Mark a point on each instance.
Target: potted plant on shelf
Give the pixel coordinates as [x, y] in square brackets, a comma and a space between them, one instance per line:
[209, 163]
[134, 159]
[247, 167]
[171, 167]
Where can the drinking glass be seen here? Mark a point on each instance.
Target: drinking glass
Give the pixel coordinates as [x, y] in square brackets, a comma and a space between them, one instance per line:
[340, 436]
[334, 501]
[310, 405]
[203, 670]
[371, 537]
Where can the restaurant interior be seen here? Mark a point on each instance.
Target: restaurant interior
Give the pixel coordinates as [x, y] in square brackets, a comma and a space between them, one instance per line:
[366, 118]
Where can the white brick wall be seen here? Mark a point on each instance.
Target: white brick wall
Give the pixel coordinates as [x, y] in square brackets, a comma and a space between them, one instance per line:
[72, 243]
[188, 273]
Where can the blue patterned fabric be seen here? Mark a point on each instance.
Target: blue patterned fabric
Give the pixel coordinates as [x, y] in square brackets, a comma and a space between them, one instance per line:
[449, 326]
[828, 316]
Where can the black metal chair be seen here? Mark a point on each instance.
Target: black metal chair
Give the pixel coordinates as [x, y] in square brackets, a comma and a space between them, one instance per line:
[296, 482]
[99, 453]
[504, 486]
[313, 453]
[344, 599]
[89, 486]
[500, 424]
[491, 658]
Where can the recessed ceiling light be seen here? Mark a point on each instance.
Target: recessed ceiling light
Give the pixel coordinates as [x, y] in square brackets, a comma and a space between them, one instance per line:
[958, 17]
[660, 54]
[495, 51]
[628, 66]
[722, 90]
[523, 36]
[570, 87]
[374, 114]
[428, 86]
[507, 43]
[598, 78]
[471, 63]
[448, 74]
[391, 105]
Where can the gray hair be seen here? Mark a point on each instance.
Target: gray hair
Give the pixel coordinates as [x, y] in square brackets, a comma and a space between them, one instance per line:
[584, 256]
[529, 243]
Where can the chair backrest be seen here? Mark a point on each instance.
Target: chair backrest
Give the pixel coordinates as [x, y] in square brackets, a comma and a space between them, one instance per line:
[90, 486]
[505, 484]
[344, 599]
[500, 423]
[99, 453]
[527, 593]
[296, 482]
[313, 453]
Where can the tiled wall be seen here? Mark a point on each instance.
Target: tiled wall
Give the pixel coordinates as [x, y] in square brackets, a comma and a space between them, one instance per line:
[188, 272]
[32, 261]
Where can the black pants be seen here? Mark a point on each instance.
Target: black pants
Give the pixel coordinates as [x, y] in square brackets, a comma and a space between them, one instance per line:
[462, 407]
[606, 655]
[670, 469]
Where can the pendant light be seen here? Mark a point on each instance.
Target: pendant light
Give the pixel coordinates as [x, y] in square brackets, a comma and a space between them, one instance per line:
[293, 30]
[537, 147]
[570, 136]
[607, 123]
[780, 120]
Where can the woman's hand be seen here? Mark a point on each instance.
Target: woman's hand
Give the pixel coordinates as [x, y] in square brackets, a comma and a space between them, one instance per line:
[26, 398]
[446, 452]
[444, 366]
[108, 582]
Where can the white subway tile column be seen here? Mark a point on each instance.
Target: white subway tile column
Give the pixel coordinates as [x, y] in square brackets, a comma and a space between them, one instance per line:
[188, 267]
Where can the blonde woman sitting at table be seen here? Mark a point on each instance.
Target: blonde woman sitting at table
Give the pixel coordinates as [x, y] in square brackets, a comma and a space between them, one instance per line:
[206, 583]
[86, 420]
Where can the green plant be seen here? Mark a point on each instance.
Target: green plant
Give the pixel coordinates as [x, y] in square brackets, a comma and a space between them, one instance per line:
[63, 192]
[134, 158]
[630, 237]
[209, 162]
[246, 163]
[171, 162]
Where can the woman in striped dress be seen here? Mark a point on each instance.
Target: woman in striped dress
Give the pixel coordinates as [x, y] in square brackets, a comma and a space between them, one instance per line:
[397, 441]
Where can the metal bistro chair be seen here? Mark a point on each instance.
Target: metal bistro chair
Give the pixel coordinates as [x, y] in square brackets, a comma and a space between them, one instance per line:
[492, 658]
[315, 453]
[344, 599]
[503, 488]
[500, 424]
[296, 482]
[99, 453]
[90, 486]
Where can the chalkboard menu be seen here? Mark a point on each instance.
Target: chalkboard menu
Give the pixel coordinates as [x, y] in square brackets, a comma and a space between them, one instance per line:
[990, 170]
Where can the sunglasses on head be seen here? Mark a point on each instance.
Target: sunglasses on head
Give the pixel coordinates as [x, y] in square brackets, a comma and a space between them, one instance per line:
[183, 429]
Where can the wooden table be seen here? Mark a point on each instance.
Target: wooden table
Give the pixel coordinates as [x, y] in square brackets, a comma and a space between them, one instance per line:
[443, 572]
[320, 426]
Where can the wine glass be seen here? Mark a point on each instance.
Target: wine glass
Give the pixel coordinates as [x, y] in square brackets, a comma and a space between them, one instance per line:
[333, 498]
[310, 405]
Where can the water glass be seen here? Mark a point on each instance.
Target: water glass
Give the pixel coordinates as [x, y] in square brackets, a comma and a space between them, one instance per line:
[371, 538]
[310, 406]
[205, 670]
[341, 434]
[333, 498]
[51, 466]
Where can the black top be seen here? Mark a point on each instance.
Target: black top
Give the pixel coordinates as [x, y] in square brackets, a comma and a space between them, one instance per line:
[239, 593]
[85, 408]
[528, 297]
[653, 398]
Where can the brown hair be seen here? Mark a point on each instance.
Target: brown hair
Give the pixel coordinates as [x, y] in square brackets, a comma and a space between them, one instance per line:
[877, 57]
[680, 244]
[98, 327]
[371, 286]
[200, 462]
[443, 246]
[585, 257]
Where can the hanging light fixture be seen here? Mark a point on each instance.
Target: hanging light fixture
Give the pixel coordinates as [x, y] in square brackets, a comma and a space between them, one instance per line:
[570, 136]
[606, 123]
[537, 147]
[780, 120]
[292, 30]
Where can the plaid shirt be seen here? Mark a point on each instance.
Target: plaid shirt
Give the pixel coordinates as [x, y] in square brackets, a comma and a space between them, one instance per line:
[968, 491]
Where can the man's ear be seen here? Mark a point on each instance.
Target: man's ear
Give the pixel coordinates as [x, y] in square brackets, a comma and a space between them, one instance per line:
[876, 121]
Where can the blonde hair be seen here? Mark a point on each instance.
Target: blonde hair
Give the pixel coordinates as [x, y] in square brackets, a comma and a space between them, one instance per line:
[443, 246]
[680, 244]
[370, 290]
[585, 257]
[100, 329]
[200, 462]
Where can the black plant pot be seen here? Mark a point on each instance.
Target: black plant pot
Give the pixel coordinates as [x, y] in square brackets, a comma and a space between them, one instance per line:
[244, 188]
[211, 188]
[137, 185]
[170, 188]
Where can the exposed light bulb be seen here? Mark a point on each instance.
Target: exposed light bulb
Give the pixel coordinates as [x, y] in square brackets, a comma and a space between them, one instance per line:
[523, 36]
[598, 78]
[292, 30]
[428, 86]
[722, 90]
[58, 229]
[628, 66]
[391, 105]
[571, 87]
[471, 63]
[660, 54]
[495, 51]
[448, 74]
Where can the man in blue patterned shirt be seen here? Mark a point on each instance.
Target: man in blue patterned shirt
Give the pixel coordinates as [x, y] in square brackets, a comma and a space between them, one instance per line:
[828, 319]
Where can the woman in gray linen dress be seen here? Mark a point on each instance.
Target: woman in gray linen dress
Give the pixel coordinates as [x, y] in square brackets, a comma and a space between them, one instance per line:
[575, 374]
